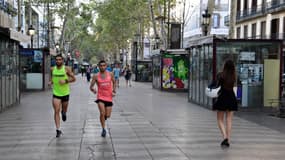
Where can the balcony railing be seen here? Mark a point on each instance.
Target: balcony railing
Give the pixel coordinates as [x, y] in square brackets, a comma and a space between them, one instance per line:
[250, 12]
[269, 7]
[280, 36]
[275, 4]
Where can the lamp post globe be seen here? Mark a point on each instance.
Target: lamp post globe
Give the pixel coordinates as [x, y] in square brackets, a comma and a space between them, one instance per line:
[57, 48]
[136, 45]
[31, 31]
[206, 21]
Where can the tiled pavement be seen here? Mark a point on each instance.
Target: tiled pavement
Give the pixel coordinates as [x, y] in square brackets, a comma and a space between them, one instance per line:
[146, 124]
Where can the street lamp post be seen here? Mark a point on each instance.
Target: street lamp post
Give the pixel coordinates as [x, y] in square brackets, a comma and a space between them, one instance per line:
[157, 41]
[31, 31]
[57, 48]
[137, 40]
[69, 60]
[126, 57]
[206, 21]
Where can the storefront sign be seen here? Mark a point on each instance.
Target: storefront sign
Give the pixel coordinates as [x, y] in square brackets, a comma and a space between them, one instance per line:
[247, 56]
[26, 52]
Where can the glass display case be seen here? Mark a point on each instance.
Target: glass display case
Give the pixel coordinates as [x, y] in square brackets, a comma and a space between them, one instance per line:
[144, 71]
[258, 64]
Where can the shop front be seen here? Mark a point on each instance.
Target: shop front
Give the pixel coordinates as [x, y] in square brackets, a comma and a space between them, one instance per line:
[258, 67]
[170, 70]
[35, 69]
[9, 70]
[144, 71]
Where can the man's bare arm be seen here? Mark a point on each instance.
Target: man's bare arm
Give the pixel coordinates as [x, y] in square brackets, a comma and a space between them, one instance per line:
[93, 81]
[114, 82]
[70, 75]
[50, 76]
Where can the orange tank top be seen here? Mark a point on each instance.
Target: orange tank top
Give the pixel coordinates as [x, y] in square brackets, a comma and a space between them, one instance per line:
[105, 87]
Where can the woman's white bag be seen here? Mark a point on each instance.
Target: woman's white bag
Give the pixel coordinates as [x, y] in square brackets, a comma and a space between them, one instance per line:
[212, 92]
[213, 89]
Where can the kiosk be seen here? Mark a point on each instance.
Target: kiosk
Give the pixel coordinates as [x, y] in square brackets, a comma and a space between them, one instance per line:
[170, 70]
[258, 65]
[35, 69]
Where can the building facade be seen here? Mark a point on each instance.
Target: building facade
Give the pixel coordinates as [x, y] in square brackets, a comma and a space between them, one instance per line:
[10, 39]
[193, 28]
[260, 19]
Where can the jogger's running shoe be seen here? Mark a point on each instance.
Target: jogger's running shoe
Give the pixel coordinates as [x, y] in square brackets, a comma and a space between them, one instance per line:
[103, 134]
[225, 143]
[58, 133]
[63, 116]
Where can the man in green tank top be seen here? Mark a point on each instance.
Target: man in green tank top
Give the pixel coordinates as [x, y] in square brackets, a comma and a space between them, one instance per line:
[60, 78]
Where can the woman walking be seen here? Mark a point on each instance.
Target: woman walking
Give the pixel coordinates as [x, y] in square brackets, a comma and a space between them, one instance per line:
[226, 102]
[128, 74]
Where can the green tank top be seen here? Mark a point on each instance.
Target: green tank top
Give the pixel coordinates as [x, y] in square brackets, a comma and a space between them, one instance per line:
[58, 89]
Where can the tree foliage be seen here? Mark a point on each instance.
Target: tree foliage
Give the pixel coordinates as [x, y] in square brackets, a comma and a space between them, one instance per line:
[103, 27]
[117, 22]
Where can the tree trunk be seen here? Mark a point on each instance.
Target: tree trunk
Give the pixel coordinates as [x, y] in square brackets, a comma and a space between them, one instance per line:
[62, 37]
[152, 17]
[233, 11]
[162, 28]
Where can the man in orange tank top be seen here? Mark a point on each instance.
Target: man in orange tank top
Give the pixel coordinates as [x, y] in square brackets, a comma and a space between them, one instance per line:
[106, 89]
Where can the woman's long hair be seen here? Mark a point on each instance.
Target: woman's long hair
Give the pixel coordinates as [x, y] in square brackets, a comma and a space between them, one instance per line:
[229, 72]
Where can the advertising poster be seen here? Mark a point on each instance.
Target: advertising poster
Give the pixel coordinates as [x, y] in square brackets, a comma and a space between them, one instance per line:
[175, 39]
[38, 55]
[175, 71]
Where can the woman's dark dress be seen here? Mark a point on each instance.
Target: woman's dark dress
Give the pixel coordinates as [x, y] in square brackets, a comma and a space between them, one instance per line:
[128, 74]
[226, 100]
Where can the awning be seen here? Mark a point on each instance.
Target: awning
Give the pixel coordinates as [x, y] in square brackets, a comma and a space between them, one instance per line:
[18, 36]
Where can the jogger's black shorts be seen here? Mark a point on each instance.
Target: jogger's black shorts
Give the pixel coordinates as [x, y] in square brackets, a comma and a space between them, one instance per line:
[62, 98]
[106, 103]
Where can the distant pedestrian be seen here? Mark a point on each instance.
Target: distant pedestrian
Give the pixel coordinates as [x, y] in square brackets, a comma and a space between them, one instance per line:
[226, 102]
[109, 68]
[95, 69]
[106, 89]
[61, 76]
[117, 71]
[83, 70]
[88, 73]
[128, 74]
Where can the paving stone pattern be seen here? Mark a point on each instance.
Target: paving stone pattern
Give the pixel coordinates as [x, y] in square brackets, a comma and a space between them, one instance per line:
[146, 124]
